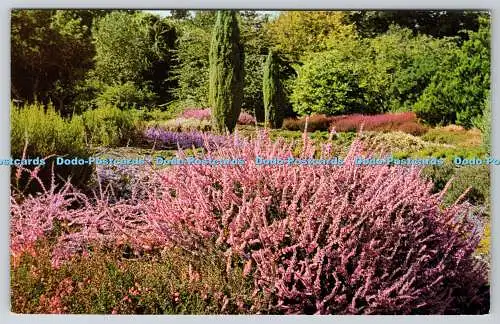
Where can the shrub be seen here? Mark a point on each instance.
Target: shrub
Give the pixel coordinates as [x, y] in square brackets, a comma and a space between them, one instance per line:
[328, 83]
[405, 122]
[314, 123]
[41, 132]
[314, 239]
[226, 72]
[124, 96]
[168, 139]
[109, 126]
[483, 123]
[205, 114]
[201, 114]
[454, 135]
[184, 125]
[313, 247]
[246, 119]
[110, 282]
[459, 89]
[474, 178]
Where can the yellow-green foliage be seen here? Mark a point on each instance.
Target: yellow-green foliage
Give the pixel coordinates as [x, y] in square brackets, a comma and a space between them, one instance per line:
[183, 125]
[106, 282]
[454, 135]
[394, 142]
[109, 126]
[484, 245]
[45, 132]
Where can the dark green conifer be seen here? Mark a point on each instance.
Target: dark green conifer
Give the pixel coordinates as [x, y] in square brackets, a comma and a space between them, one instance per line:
[226, 72]
[272, 92]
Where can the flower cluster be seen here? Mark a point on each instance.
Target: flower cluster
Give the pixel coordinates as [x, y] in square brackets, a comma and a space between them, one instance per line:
[315, 239]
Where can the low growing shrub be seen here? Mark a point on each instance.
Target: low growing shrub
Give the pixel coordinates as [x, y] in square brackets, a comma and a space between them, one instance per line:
[110, 126]
[322, 239]
[314, 123]
[331, 239]
[204, 114]
[38, 131]
[184, 124]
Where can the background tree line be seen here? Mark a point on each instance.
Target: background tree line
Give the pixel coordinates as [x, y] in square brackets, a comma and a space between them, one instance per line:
[435, 63]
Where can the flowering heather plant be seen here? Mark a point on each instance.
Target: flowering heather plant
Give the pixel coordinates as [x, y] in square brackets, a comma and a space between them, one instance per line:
[185, 124]
[246, 119]
[168, 139]
[315, 239]
[328, 239]
[204, 114]
[405, 122]
[193, 113]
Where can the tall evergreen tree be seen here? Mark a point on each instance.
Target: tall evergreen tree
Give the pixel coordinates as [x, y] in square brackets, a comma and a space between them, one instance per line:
[271, 88]
[226, 72]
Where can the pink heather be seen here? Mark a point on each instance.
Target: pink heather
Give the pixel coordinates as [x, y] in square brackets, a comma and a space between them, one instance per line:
[204, 114]
[319, 239]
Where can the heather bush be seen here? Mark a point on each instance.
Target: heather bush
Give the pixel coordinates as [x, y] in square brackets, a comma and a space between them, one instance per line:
[375, 242]
[126, 95]
[314, 123]
[204, 114]
[184, 124]
[454, 135]
[474, 179]
[109, 126]
[113, 282]
[322, 239]
[394, 142]
[38, 131]
[167, 139]
[405, 122]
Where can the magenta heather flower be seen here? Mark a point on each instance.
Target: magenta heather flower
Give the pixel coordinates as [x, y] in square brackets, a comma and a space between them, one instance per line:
[328, 239]
[322, 239]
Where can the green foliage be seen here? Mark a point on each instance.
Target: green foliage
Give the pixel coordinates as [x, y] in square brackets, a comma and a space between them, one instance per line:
[45, 132]
[226, 72]
[483, 123]
[145, 66]
[429, 22]
[271, 89]
[38, 131]
[109, 282]
[477, 178]
[295, 33]
[256, 47]
[329, 83]
[386, 73]
[192, 69]
[122, 47]
[402, 67]
[125, 95]
[51, 51]
[109, 126]
[459, 90]
[474, 179]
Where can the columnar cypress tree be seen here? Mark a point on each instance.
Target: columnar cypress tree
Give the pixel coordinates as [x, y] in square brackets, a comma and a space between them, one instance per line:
[226, 72]
[271, 87]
